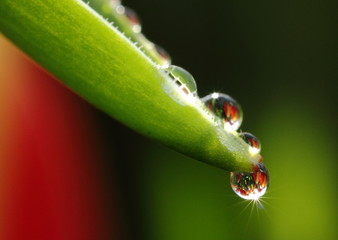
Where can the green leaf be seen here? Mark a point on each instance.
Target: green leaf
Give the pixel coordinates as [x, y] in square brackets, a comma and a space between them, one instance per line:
[94, 59]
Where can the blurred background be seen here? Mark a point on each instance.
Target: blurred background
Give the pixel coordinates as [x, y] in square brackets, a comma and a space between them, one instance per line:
[68, 171]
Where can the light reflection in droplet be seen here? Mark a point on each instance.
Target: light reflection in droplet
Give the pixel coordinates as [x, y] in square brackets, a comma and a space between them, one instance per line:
[250, 185]
[183, 79]
[226, 108]
[252, 141]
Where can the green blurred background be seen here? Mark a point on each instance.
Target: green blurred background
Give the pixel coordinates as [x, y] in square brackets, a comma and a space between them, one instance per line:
[279, 60]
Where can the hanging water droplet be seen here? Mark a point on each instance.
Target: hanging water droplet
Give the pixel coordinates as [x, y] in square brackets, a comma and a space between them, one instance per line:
[250, 185]
[182, 78]
[226, 108]
[252, 141]
[133, 19]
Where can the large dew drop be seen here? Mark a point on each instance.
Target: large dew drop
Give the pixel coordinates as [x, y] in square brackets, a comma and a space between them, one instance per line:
[252, 141]
[182, 78]
[226, 108]
[250, 185]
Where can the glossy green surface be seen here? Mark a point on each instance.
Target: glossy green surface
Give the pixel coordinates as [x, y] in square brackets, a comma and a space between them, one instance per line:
[99, 63]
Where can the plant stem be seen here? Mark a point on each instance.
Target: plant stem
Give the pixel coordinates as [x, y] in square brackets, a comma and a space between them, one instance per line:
[94, 59]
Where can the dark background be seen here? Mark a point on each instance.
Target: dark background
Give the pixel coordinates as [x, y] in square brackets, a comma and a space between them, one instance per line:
[279, 60]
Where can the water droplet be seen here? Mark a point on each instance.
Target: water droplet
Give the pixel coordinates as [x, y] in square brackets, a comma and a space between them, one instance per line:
[165, 57]
[250, 185]
[260, 160]
[252, 141]
[226, 108]
[145, 41]
[119, 8]
[114, 3]
[182, 78]
[133, 19]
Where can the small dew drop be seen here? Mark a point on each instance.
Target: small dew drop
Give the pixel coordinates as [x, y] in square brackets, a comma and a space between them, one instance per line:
[226, 108]
[120, 9]
[252, 141]
[114, 3]
[133, 19]
[182, 78]
[147, 43]
[165, 57]
[250, 185]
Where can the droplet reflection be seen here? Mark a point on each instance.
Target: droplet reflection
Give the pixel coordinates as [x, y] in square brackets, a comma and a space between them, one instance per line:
[252, 141]
[183, 79]
[250, 185]
[226, 108]
[133, 19]
[165, 57]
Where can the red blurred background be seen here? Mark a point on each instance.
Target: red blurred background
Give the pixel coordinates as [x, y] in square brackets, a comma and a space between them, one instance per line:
[51, 180]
